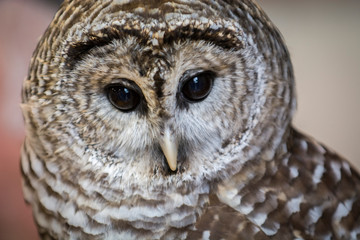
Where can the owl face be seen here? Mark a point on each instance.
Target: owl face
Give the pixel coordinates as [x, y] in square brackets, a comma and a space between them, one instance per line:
[148, 102]
[144, 110]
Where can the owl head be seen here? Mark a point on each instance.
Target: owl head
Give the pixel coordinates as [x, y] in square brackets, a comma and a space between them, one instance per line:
[157, 93]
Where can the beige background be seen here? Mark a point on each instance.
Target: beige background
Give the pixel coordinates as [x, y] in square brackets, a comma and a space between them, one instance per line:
[323, 37]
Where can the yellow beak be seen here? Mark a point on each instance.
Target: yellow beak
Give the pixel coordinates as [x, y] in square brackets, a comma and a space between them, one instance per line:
[169, 146]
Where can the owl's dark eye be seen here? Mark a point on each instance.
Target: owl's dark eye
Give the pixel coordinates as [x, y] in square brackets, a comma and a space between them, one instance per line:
[198, 87]
[122, 97]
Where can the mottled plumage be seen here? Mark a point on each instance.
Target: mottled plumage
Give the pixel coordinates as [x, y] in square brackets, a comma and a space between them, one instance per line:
[172, 120]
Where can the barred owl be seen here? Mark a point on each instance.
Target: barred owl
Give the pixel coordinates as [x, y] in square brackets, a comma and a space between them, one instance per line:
[172, 120]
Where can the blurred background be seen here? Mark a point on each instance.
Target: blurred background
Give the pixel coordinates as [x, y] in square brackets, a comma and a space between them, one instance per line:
[323, 37]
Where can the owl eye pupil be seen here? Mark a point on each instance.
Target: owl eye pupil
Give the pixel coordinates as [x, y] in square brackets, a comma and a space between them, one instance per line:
[198, 87]
[122, 97]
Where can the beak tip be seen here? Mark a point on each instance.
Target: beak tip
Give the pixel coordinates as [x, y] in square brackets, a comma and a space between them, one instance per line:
[171, 162]
[173, 167]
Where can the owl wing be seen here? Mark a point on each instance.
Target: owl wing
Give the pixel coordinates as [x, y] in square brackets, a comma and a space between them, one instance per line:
[309, 192]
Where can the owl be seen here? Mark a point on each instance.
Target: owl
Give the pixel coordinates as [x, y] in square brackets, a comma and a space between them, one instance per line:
[172, 120]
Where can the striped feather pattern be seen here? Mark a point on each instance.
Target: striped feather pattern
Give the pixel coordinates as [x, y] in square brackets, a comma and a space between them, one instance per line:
[91, 172]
